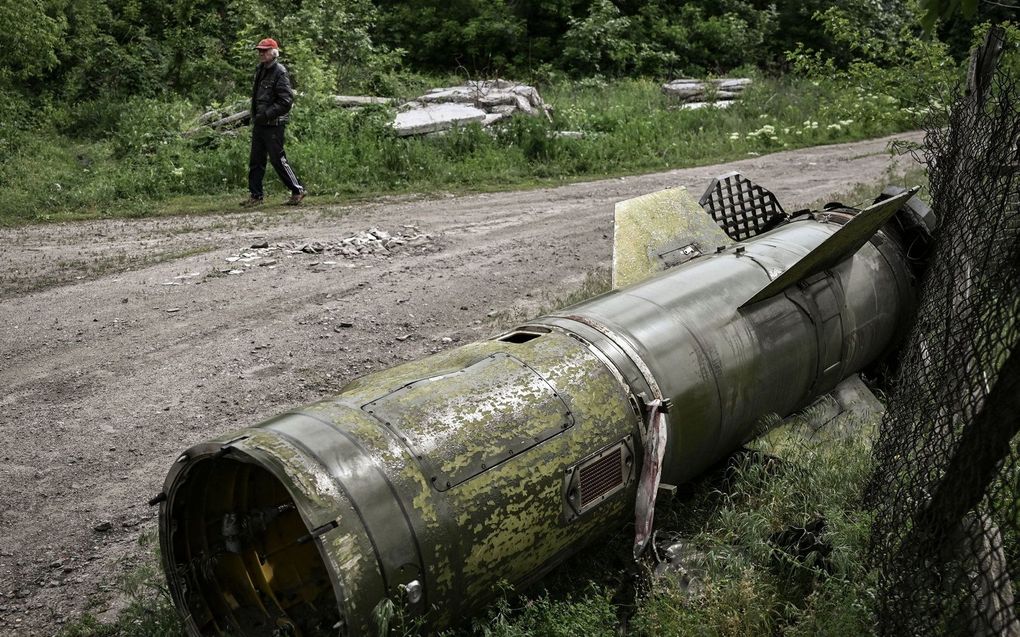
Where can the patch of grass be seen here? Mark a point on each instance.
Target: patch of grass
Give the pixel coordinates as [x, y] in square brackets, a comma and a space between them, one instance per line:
[148, 612]
[746, 582]
[863, 195]
[145, 167]
[752, 583]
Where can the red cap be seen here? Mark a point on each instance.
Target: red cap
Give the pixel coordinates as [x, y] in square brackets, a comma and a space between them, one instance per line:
[268, 43]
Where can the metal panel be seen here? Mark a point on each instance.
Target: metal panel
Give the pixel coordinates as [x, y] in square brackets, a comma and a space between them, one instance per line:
[497, 398]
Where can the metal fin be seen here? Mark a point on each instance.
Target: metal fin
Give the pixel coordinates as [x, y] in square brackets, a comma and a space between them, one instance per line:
[657, 231]
[838, 246]
[742, 208]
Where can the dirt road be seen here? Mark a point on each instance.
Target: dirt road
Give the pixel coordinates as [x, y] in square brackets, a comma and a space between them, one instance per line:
[123, 342]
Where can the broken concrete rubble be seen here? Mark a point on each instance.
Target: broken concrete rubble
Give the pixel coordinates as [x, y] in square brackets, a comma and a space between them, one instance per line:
[371, 242]
[693, 106]
[222, 119]
[720, 91]
[354, 101]
[493, 99]
[440, 109]
[233, 116]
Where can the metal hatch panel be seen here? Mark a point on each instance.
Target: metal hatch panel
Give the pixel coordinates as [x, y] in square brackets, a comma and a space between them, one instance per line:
[460, 424]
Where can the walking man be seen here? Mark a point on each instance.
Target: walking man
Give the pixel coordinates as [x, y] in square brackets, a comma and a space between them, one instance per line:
[271, 99]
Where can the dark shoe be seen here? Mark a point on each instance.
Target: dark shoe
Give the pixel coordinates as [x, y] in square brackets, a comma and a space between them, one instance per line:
[295, 199]
[251, 202]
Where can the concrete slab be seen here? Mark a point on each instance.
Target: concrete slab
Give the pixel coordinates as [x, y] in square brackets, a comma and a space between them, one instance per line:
[686, 89]
[436, 117]
[454, 94]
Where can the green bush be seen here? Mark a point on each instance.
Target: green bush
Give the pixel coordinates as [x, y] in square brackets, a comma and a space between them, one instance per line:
[884, 78]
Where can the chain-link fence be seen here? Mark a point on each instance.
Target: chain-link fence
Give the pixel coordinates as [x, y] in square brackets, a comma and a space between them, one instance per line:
[946, 535]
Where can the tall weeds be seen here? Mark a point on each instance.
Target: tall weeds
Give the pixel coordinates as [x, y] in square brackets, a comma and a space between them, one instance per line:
[102, 159]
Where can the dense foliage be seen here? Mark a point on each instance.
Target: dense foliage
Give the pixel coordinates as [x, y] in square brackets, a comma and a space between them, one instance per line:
[99, 92]
[79, 50]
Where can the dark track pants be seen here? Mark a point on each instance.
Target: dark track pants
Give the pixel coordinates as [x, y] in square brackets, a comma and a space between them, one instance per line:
[269, 140]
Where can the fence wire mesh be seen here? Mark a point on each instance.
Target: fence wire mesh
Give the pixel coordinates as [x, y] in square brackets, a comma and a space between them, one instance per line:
[944, 492]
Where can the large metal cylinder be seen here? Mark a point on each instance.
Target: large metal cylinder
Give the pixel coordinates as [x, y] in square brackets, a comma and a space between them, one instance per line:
[429, 483]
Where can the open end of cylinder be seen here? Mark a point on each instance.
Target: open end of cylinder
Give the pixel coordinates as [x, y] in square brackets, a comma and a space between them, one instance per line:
[239, 556]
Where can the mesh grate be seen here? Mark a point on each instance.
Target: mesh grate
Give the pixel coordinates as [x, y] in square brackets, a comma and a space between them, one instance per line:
[945, 491]
[601, 477]
[742, 208]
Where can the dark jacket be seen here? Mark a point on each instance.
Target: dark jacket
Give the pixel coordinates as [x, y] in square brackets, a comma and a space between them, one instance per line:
[271, 95]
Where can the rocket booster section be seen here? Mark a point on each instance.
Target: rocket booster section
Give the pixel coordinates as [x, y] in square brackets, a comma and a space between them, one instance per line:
[425, 485]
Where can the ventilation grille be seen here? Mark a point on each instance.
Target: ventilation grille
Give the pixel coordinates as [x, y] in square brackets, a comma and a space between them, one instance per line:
[597, 478]
[741, 207]
[600, 477]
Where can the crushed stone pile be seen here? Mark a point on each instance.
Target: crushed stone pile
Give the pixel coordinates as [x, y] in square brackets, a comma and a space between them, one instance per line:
[367, 243]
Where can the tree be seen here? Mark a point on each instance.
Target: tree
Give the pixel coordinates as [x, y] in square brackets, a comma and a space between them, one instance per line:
[33, 29]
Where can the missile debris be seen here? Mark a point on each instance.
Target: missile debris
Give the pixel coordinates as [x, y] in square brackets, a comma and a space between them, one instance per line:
[421, 487]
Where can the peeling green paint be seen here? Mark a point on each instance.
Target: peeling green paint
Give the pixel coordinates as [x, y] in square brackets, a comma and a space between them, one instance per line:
[500, 521]
[309, 479]
[422, 501]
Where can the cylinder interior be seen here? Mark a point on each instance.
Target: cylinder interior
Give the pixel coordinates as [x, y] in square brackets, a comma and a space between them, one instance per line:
[241, 555]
